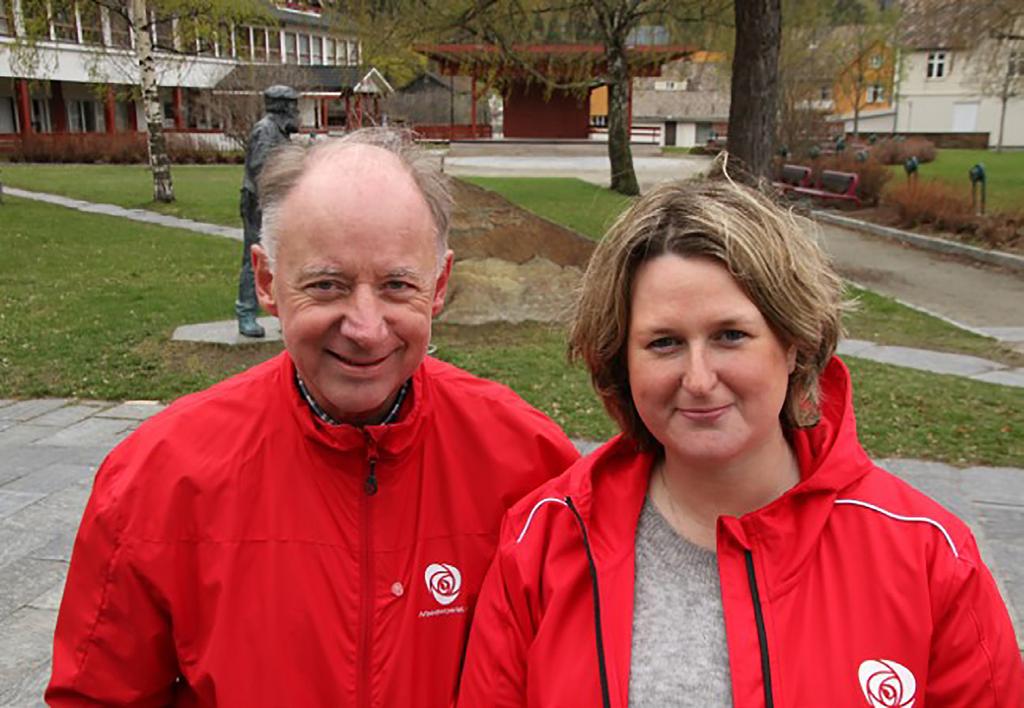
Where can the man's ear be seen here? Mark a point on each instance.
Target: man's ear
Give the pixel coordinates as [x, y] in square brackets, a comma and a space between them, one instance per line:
[441, 287]
[264, 279]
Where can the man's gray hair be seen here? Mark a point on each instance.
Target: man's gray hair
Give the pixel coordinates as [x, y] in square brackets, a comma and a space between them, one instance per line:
[287, 164]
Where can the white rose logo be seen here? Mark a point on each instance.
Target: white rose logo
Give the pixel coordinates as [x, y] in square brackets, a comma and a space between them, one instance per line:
[444, 582]
[887, 684]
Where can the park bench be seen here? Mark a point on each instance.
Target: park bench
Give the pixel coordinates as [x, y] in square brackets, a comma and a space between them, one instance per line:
[831, 185]
[794, 176]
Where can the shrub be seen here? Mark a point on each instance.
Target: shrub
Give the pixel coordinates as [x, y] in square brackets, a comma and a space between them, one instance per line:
[948, 208]
[896, 152]
[873, 174]
[81, 147]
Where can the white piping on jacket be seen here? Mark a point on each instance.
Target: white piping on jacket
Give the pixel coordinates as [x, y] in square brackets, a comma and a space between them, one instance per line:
[529, 519]
[898, 517]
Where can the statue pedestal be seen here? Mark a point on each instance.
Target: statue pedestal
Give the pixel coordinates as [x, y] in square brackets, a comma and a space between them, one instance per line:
[226, 332]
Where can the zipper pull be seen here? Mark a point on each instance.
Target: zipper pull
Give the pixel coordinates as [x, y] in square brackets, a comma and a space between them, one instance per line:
[370, 486]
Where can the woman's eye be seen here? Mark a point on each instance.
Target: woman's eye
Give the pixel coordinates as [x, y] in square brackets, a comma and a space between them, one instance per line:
[662, 343]
[733, 335]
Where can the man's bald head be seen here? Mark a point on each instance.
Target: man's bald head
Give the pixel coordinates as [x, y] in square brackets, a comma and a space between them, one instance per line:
[389, 149]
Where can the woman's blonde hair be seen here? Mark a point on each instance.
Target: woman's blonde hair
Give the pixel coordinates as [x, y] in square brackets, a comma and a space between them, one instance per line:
[767, 250]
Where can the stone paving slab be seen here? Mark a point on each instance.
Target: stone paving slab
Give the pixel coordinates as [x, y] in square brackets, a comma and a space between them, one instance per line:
[68, 414]
[26, 580]
[91, 431]
[27, 410]
[132, 410]
[13, 502]
[226, 332]
[51, 478]
[24, 660]
[23, 434]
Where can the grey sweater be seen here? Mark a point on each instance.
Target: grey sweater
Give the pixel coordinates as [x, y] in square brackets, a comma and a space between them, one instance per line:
[679, 655]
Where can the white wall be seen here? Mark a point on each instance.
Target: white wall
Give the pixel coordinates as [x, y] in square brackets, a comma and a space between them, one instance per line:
[85, 64]
[931, 105]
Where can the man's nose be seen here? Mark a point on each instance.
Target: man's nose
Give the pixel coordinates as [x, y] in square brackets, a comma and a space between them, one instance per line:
[363, 321]
[699, 376]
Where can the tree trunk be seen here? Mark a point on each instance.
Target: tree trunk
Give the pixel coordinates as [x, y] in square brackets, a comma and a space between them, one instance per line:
[1004, 95]
[755, 84]
[623, 177]
[159, 162]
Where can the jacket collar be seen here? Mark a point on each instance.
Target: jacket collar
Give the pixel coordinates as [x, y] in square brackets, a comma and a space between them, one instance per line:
[391, 440]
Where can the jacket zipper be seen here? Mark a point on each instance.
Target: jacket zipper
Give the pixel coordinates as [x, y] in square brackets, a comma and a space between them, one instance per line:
[364, 668]
[762, 636]
[602, 668]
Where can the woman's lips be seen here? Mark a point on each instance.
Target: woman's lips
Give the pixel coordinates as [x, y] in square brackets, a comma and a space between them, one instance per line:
[704, 414]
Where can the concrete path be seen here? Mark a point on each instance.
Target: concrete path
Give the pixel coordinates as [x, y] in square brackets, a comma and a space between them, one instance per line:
[50, 450]
[143, 215]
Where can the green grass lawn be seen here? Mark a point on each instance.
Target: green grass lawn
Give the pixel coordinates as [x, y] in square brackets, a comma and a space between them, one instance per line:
[87, 305]
[579, 205]
[204, 192]
[1004, 172]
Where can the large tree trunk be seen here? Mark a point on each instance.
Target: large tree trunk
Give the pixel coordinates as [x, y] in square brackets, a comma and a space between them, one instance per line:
[755, 84]
[623, 177]
[159, 162]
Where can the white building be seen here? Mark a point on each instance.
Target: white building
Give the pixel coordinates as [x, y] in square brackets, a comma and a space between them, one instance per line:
[955, 74]
[83, 71]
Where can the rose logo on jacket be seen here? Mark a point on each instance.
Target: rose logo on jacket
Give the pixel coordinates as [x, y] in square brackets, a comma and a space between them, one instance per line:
[887, 684]
[444, 582]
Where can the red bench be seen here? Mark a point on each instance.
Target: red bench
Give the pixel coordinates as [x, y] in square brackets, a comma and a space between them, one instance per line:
[794, 176]
[832, 185]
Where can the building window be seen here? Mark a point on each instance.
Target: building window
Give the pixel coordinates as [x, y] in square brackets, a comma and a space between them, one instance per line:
[274, 46]
[6, 19]
[63, 23]
[8, 116]
[304, 49]
[876, 93]
[291, 49]
[936, 65]
[318, 45]
[329, 55]
[826, 93]
[120, 30]
[82, 116]
[259, 44]
[92, 25]
[875, 62]
[40, 109]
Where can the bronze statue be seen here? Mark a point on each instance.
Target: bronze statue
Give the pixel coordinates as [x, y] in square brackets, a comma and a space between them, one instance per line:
[273, 129]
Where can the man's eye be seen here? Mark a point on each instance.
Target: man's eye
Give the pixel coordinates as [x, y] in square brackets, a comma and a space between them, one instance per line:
[397, 285]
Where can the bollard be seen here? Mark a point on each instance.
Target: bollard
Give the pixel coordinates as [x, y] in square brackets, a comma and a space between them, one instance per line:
[910, 167]
[977, 177]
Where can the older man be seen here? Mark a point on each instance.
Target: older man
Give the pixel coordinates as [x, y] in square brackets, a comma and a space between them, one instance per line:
[312, 532]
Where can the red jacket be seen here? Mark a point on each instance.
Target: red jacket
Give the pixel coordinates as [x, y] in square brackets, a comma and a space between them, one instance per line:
[232, 542]
[850, 584]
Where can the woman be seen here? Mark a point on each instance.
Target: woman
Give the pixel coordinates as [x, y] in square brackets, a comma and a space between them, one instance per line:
[734, 545]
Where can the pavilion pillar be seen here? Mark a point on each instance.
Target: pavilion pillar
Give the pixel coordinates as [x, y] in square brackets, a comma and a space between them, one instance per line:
[58, 109]
[472, 106]
[324, 111]
[179, 108]
[24, 107]
[109, 111]
[348, 112]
